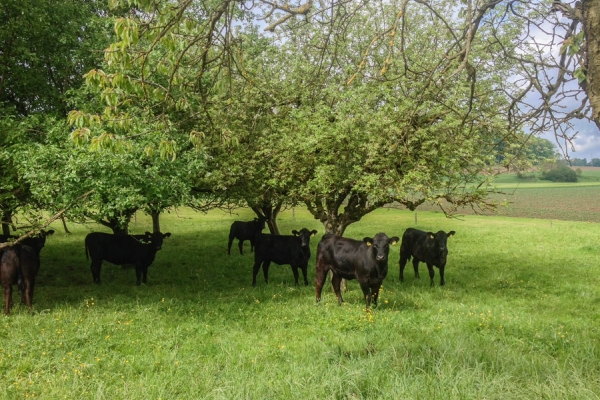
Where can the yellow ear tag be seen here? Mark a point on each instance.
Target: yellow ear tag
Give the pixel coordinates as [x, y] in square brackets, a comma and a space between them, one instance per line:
[368, 243]
[394, 242]
[432, 237]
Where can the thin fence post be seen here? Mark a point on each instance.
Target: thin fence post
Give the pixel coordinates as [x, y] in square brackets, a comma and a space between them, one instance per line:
[416, 218]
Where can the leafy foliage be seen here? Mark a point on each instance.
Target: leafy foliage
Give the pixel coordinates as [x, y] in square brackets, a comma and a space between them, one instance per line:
[561, 173]
[345, 119]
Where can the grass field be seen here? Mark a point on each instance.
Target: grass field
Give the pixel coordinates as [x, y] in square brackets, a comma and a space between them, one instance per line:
[517, 319]
[544, 199]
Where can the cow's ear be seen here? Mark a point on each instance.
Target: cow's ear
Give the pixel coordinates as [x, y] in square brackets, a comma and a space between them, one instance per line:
[431, 235]
[368, 241]
[295, 232]
[48, 233]
[148, 234]
[451, 233]
[313, 232]
[166, 235]
[394, 240]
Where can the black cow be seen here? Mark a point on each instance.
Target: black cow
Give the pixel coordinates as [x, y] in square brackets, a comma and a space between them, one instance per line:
[427, 247]
[122, 249]
[245, 231]
[366, 261]
[283, 249]
[19, 264]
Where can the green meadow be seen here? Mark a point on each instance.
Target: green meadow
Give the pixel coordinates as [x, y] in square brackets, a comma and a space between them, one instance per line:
[517, 319]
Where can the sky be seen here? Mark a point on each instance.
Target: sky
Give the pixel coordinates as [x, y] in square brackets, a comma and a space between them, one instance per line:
[586, 143]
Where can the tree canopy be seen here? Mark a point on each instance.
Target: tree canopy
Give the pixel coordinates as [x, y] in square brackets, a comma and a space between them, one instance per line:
[343, 106]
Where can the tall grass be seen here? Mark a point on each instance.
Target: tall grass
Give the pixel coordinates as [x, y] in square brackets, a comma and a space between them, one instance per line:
[518, 318]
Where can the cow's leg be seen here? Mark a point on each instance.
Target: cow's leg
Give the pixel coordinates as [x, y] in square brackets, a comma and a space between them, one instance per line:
[335, 282]
[145, 274]
[366, 289]
[416, 267]
[251, 245]
[255, 269]
[229, 244]
[442, 281]
[431, 273]
[95, 267]
[241, 245]
[265, 266]
[375, 292]
[402, 263]
[27, 294]
[295, 272]
[139, 269]
[304, 274]
[7, 289]
[320, 277]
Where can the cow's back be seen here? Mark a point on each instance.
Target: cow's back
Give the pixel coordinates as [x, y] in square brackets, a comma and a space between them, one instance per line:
[280, 249]
[116, 249]
[413, 241]
[341, 254]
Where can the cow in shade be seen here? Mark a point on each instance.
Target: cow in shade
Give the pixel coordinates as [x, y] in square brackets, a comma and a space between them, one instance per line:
[283, 249]
[242, 231]
[366, 261]
[428, 247]
[19, 264]
[123, 249]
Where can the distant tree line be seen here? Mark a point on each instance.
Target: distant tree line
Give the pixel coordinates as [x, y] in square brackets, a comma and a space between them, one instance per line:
[583, 162]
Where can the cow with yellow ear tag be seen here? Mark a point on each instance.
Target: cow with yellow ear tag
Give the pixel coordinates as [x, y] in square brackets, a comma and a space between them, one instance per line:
[366, 261]
[428, 247]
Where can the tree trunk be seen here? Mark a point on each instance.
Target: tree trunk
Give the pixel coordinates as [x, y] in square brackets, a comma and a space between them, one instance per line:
[334, 225]
[6, 222]
[270, 212]
[155, 221]
[120, 224]
[591, 27]
[64, 222]
[117, 228]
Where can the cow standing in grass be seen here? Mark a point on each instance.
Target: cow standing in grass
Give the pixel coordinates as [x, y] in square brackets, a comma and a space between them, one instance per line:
[245, 231]
[283, 249]
[19, 264]
[428, 247]
[366, 261]
[123, 249]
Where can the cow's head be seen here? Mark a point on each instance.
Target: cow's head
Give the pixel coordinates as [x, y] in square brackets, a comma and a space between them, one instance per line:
[304, 236]
[380, 246]
[440, 241]
[260, 222]
[156, 238]
[39, 241]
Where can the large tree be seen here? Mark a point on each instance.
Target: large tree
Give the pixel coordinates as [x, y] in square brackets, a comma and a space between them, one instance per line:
[45, 47]
[361, 103]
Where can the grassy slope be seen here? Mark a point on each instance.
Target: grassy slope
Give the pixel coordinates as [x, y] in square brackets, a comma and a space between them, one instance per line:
[516, 319]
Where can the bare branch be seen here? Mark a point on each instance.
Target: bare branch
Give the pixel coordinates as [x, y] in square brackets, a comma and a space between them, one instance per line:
[303, 9]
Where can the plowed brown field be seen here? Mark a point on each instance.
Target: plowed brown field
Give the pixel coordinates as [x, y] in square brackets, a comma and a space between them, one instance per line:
[580, 203]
